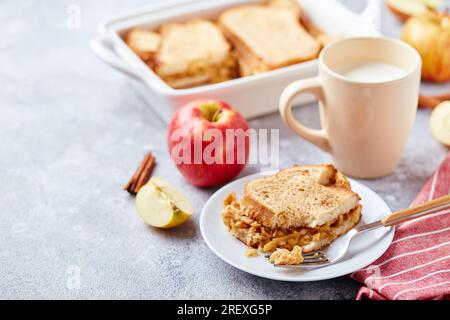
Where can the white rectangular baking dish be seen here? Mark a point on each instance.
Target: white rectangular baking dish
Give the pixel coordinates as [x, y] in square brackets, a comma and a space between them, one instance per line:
[252, 96]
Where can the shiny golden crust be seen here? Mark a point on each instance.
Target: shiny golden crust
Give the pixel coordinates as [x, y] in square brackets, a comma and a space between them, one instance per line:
[299, 196]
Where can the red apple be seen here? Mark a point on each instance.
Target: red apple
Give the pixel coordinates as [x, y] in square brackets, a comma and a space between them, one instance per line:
[208, 142]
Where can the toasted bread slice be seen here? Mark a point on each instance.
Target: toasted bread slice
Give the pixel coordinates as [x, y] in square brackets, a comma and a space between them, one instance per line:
[255, 235]
[291, 5]
[144, 43]
[322, 173]
[194, 50]
[299, 196]
[267, 37]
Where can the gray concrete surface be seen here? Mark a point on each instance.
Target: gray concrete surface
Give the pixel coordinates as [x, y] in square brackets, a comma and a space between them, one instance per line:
[72, 130]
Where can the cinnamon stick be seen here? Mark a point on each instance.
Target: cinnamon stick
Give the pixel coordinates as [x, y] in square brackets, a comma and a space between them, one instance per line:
[443, 97]
[433, 101]
[429, 101]
[142, 174]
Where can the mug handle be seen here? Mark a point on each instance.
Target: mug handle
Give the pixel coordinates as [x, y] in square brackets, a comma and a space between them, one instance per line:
[313, 86]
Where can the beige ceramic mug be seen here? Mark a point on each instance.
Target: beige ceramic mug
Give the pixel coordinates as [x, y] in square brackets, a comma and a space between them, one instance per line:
[368, 92]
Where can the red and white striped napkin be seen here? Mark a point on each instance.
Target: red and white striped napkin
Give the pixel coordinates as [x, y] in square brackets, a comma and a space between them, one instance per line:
[417, 264]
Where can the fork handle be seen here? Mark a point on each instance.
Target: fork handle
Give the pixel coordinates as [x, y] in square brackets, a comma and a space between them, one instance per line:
[417, 211]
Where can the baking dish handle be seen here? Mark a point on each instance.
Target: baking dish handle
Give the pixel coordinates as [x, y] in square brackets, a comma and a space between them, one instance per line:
[372, 13]
[103, 49]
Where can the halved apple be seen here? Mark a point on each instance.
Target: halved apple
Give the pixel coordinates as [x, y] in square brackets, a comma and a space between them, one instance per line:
[440, 123]
[162, 205]
[407, 8]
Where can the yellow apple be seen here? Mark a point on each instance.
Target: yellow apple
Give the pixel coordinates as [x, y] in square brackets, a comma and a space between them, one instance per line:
[440, 123]
[162, 205]
[404, 9]
[430, 35]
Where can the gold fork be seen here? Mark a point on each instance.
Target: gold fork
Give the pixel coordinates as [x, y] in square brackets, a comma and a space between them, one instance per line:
[339, 247]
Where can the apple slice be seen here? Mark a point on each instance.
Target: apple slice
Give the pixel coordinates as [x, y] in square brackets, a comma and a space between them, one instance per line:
[162, 205]
[407, 8]
[440, 123]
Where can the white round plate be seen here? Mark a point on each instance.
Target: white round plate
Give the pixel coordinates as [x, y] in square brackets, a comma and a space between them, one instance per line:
[364, 248]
